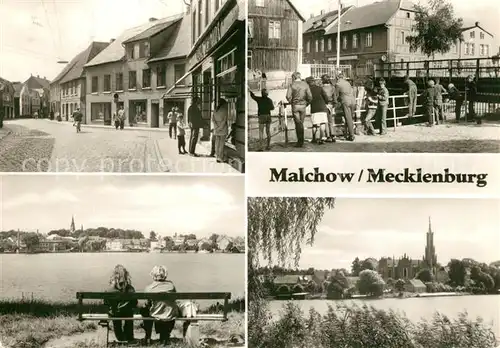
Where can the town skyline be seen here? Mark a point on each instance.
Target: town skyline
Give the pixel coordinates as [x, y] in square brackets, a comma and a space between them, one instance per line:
[365, 228]
[145, 204]
[46, 32]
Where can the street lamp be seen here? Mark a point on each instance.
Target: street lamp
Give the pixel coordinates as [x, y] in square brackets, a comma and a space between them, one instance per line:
[338, 34]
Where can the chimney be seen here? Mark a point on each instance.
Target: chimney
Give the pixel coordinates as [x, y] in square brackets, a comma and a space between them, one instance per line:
[37, 76]
[152, 19]
[112, 40]
[312, 15]
[322, 12]
[477, 24]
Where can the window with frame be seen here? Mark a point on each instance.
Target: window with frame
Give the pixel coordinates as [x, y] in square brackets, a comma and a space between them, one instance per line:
[161, 73]
[259, 3]
[354, 40]
[137, 50]
[132, 80]
[472, 49]
[308, 46]
[250, 27]
[316, 45]
[321, 45]
[107, 83]
[487, 47]
[95, 84]
[472, 34]
[146, 78]
[344, 42]
[179, 71]
[408, 15]
[249, 59]
[329, 44]
[481, 35]
[403, 38]
[368, 39]
[275, 30]
[466, 49]
[144, 49]
[131, 51]
[73, 87]
[119, 81]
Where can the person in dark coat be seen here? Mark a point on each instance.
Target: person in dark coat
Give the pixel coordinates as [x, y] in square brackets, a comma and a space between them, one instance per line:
[438, 101]
[329, 92]
[120, 281]
[345, 96]
[429, 97]
[195, 121]
[454, 94]
[319, 110]
[471, 92]
[411, 94]
[299, 97]
[264, 107]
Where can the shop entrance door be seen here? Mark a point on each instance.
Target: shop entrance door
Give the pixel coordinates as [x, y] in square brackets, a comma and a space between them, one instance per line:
[206, 108]
[155, 113]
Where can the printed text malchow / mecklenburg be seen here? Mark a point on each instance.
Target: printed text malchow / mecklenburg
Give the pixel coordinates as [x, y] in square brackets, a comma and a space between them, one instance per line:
[378, 175]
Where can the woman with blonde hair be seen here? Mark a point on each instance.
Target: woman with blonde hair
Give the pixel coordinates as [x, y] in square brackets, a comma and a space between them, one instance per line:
[120, 281]
[163, 311]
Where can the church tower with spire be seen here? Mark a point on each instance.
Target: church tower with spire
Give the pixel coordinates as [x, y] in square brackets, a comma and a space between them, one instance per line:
[72, 227]
[430, 257]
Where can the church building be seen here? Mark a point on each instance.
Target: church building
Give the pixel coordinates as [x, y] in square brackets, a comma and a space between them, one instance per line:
[407, 268]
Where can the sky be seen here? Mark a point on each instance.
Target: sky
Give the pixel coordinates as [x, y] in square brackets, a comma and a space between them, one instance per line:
[463, 228]
[164, 204]
[486, 12]
[35, 34]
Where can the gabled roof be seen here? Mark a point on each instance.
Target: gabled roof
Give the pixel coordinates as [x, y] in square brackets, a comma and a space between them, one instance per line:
[322, 21]
[178, 44]
[468, 24]
[416, 283]
[146, 34]
[407, 5]
[115, 51]
[74, 69]
[296, 10]
[378, 13]
[18, 86]
[37, 82]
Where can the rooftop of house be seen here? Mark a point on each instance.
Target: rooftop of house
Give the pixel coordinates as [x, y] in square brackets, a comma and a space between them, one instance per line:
[321, 21]
[178, 44]
[471, 24]
[371, 15]
[416, 283]
[155, 29]
[296, 10]
[37, 82]
[115, 51]
[74, 69]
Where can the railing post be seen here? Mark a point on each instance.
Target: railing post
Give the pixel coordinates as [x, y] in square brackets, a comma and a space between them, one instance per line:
[450, 70]
[286, 124]
[478, 68]
[394, 112]
[408, 68]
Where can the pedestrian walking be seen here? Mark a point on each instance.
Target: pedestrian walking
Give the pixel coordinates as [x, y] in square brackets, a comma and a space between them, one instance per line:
[329, 92]
[181, 132]
[471, 94]
[172, 122]
[299, 97]
[264, 107]
[411, 97]
[383, 104]
[345, 96]
[78, 117]
[195, 123]
[438, 101]
[221, 128]
[429, 97]
[121, 117]
[319, 110]
[454, 94]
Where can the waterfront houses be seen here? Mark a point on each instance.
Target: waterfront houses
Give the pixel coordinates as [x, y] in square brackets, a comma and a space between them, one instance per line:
[68, 89]
[7, 99]
[121, 75]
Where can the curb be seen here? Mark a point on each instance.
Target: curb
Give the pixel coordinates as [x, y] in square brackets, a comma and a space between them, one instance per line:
[7, 133]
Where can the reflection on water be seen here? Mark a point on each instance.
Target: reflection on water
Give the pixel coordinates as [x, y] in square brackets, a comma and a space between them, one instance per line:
[57, 277]
[415, 309]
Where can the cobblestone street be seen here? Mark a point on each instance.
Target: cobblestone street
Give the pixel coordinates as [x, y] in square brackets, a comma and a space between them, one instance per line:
[49, 146]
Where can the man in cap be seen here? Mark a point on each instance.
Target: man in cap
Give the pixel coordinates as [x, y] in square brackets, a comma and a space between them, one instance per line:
[299, 96]
[429, 97]
[345, 96]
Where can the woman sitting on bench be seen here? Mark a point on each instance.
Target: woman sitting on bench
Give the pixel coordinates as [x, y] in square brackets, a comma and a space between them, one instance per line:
[163, 311]
[120, 281]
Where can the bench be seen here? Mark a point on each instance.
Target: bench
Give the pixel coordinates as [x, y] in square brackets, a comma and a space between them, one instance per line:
[191, 335]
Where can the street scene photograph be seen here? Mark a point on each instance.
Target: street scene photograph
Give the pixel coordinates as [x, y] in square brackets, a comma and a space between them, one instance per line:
[122, 86]
[373, 272]
[373, 76]
[122, 261]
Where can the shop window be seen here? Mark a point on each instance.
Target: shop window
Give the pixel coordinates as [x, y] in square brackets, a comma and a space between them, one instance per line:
[161, 76]
[132, 80]
[330, 46]
[146, 78]
[119, 81]
[95, 84]
[179, 72]
[344, 42]
[107, 83]
[481, 35]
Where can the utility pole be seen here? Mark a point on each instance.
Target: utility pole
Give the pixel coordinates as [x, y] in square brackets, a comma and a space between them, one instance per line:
[338, 34]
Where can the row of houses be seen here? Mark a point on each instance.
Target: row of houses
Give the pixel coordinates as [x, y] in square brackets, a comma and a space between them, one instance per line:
[166, 62]
[281, 39]
[222, 243]
[24, 99]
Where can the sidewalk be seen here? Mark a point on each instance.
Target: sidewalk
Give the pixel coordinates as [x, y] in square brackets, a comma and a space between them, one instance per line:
[4, 132]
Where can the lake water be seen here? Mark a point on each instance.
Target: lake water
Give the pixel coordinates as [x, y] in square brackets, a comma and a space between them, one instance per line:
[487, 307]
[57, 277]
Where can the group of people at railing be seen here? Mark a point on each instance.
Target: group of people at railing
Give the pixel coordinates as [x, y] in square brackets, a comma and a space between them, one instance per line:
[325, 96]
[164, 312]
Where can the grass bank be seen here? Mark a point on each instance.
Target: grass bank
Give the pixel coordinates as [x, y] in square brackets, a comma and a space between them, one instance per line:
[31, 324]
[362, 326]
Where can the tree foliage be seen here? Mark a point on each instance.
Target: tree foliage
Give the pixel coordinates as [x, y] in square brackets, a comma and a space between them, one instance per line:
[32, 240]
[425, 275]
[370, 283]
[400, 285]
[457, 272]
[436, 28]
[356, 267]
